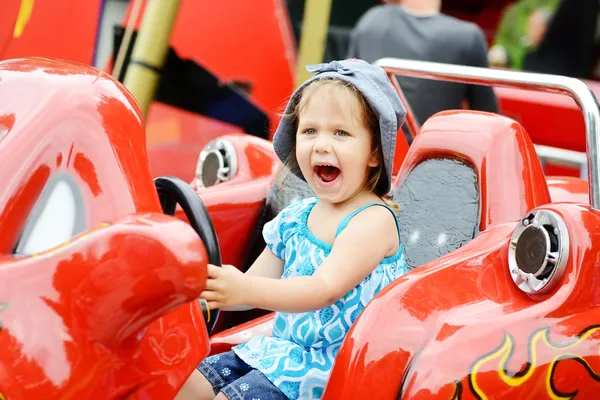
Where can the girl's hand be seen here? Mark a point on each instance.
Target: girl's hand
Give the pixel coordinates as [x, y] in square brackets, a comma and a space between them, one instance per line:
[225, 287]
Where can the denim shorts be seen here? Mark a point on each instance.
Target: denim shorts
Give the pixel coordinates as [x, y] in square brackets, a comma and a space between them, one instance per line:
[229, 374]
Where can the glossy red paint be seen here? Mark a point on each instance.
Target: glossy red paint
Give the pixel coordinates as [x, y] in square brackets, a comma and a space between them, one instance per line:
[225, 340]
[511, 180]
[401, 150]
[61, 29]
[553, 169]
[84, 312]
[495, 325]
[550, 119]
[176, 134]
[568, 189]
[109, 313]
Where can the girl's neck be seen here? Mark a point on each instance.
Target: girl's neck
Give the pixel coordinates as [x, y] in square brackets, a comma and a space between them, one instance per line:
[358, 199]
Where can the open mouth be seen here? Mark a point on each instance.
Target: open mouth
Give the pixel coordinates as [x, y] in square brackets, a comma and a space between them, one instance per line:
[326, 174]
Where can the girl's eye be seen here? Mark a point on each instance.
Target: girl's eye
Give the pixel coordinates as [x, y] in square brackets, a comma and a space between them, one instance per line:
[342, 133]
[309, 131]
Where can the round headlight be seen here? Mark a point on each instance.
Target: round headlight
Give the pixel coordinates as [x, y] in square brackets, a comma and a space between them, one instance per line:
[217, 163]
[538, 251]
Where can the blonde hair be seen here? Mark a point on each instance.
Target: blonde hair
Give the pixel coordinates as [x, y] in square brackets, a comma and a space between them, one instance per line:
[376, 182]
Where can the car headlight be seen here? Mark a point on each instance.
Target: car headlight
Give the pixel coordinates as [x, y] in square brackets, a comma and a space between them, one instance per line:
[538, 251]
[217, 163]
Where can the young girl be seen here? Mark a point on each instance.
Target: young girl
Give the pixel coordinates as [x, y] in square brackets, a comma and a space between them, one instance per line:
[327, 256]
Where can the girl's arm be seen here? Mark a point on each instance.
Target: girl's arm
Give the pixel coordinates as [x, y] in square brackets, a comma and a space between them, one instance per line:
[360, 247]
[267, 265]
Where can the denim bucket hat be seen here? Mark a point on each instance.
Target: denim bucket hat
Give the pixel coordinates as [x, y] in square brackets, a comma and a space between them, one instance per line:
[374, 84]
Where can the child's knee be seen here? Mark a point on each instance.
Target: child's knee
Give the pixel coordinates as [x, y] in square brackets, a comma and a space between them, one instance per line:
[197, 387]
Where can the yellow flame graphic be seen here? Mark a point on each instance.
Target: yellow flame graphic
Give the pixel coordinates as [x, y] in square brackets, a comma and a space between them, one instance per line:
[504, 352]
[23, 17]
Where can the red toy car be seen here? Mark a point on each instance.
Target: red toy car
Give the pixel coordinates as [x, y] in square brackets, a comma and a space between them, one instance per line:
[99, 288]
[500, 303]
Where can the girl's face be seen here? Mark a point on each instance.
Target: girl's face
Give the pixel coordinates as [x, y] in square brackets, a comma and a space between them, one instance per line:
[333, 144]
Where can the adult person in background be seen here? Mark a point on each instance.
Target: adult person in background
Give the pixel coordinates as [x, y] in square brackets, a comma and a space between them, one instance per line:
[521, 29]
[569, 45]
[417, 30]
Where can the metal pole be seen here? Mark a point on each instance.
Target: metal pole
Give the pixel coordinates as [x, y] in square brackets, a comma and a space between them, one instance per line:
[150, 50]
[127, 35]
[575, 88]
[313, 36]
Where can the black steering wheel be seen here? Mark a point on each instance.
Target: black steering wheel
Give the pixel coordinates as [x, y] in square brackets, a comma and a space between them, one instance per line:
[172, 191]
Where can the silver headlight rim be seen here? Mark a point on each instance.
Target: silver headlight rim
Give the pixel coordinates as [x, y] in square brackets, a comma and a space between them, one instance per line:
[551, 270]
[226, 155]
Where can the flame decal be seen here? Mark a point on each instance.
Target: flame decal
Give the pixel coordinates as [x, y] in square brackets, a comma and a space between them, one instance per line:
[539, 342]
[457, 391]
[23, 17]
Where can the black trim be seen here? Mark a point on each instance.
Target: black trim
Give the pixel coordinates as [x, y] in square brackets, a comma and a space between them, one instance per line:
[186, 84]
[172, 191]
[146, 65]
[458, 391]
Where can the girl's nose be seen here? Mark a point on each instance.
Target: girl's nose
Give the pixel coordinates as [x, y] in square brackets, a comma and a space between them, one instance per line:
[322, 144]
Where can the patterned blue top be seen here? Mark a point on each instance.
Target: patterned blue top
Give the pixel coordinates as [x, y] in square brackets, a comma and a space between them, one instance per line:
[298, 358]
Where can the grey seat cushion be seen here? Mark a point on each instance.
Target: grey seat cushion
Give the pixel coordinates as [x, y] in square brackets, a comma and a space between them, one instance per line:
[439, 209]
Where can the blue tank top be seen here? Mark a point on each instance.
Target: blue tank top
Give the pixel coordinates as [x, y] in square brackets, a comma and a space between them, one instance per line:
[299, 356]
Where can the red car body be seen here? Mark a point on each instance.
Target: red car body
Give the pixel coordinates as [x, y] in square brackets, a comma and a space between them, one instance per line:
[459, 327]
[104, 309]
[111, 311]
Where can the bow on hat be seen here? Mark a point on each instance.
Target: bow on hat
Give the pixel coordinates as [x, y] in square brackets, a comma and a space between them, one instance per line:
[333, 66]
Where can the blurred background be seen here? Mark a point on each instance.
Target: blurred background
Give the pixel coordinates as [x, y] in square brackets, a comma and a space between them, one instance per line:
[230, 65]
